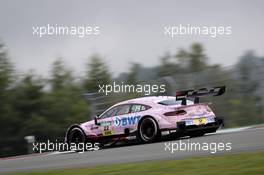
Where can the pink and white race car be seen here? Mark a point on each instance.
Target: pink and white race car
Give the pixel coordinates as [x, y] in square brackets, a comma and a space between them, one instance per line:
[150, 118]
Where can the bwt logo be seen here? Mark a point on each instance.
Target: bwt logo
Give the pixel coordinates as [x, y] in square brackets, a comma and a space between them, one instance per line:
[126, 121]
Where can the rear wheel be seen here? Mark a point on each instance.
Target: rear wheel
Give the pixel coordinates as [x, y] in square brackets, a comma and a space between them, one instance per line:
[148, 130]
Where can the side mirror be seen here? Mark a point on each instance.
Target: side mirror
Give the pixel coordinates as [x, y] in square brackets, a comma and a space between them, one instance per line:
[95, 121]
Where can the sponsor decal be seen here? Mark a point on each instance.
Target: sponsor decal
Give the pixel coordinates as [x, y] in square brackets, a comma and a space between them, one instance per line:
[106, 123]
[126, 121]
[199, 121]
[210, 119]
[92, 127]
[107, 130]
[102, 124]
[108, 133]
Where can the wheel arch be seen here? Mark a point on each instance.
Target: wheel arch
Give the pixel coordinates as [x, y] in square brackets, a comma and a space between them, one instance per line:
[158, 134]
[71, 128]
[146, 116]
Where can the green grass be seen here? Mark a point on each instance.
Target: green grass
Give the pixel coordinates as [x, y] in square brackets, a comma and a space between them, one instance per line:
[235, 164]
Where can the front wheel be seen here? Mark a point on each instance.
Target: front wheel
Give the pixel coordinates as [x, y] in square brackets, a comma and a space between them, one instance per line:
[148, 130]
[75, 138]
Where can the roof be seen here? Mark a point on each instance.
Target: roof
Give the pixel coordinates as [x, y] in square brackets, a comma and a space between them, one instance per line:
[147, 100]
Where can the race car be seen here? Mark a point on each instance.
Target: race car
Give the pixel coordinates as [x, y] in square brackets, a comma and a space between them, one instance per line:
[149, 118]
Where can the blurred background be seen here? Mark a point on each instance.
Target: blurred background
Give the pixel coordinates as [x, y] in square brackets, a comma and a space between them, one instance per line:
[42, 79]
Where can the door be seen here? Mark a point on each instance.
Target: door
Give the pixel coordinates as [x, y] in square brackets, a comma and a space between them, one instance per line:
[105, 125]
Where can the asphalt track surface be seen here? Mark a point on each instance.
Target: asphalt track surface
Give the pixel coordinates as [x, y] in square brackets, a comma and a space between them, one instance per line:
[242, 140]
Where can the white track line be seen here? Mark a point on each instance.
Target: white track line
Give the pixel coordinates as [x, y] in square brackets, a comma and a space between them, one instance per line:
[233, 129]
[59, 152]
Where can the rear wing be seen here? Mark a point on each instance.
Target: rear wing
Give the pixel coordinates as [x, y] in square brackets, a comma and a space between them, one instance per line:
[195, 94]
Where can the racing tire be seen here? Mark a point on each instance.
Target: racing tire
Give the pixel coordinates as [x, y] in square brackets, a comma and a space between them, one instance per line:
[76, 136]
[221, 122]
[148, 130]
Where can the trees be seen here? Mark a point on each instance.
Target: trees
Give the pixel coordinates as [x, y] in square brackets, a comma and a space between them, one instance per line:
[97, 73]
[6, 70]
[9, 119]
[61, 77]
[63, 103]
[132, 77]
[248, 105]
[194, 59]
[186, 66]
[6, 76]
[28, 104]
[167, 66]
[6, 73]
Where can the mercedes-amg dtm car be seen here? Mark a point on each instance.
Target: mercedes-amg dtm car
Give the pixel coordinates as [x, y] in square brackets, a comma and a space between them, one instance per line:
[149, 118]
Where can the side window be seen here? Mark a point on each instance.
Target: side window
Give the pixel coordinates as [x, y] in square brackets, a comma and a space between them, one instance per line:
[123, 109]
[138, 108]
[110, 112]
[143, 108]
